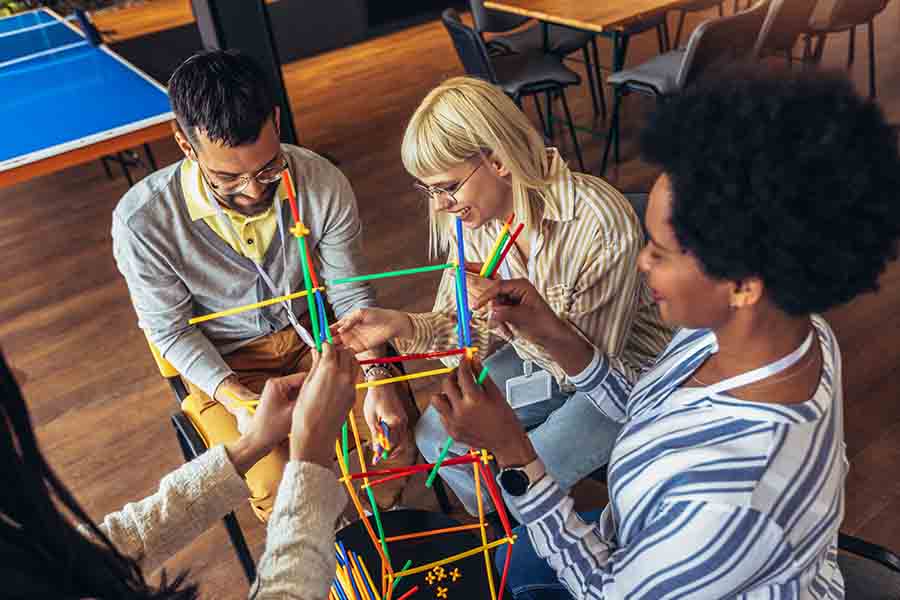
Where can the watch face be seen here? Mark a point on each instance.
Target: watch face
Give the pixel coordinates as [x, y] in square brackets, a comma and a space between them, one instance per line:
[514, 481]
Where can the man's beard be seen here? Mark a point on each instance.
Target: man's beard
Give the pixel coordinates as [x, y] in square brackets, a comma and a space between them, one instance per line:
[260, 206]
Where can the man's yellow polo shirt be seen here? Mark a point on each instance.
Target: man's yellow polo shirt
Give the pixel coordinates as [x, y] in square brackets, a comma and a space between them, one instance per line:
[255, 232]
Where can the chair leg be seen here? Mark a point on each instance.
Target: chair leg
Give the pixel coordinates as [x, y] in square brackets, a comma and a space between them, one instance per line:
[240, 546]
[105, 162]
[550, 129]
[562, 96]
[613, 129]
[150, 158]
[598, 75]
[123, 162]
[540, 112]
[682, 14]
[851, 50]
[872, 59]
[589, 70]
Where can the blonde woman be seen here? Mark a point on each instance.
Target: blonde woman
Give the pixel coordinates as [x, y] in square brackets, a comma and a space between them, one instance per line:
[476, 157]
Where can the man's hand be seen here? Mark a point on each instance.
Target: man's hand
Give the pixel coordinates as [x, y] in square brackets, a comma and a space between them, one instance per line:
[368, 328]
[481, 417]
[269, 425]
[327, 396]
[384, 403]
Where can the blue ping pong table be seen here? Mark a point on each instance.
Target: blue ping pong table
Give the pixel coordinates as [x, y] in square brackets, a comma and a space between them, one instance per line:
[64, 101]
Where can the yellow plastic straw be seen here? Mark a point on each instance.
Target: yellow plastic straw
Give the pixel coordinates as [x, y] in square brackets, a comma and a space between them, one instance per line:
[362, 467]
[377, 382]
[369, 579]
[357, 576]
[351, 491]
[246, 307]
[455, 557]
[487, 555]
[494, 250]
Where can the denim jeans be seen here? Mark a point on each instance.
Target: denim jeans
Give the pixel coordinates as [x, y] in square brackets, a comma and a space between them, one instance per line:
[571, 436]
[530, 577]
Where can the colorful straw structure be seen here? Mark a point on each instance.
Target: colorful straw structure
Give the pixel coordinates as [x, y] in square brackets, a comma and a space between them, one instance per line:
[512, 242]
[239, 309]
[498, 245]
[387, 274]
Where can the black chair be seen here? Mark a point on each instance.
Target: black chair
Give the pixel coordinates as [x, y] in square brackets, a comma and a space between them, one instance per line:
[846, 15]
[870, 571]
[193, 445]
[555, 39]
[713, 42]
[519, 75]
[785, 23]
[696, 6]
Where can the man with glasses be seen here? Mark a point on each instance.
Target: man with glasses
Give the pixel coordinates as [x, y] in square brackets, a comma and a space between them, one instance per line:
[211, 233]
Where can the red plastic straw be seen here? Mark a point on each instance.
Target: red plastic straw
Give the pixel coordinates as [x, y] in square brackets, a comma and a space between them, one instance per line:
[460, 460]
[292, 198]
[509, 549]
[512, 240]
[389, 478]
[405, 357]
[409, 593]
[495, 498]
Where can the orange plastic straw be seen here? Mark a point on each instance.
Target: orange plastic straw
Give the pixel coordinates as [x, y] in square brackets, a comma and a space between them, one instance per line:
[421, 534]
[351, 491]
[487, 555]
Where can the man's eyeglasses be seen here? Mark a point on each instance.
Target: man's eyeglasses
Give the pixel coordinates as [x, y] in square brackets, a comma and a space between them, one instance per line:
[232, 185]
[433, 192]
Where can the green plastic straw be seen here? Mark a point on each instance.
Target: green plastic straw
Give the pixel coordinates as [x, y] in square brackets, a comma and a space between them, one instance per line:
[496, 257]
[377, 516]
[437, 464]
[387, 274]
[483, 375]
[345, 443]
[405, 567]
[313, 311]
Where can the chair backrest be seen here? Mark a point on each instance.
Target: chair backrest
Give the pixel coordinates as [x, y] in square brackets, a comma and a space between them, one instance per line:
[165, 367]
[721, 40]
[856, 12]
[493, 21]
[784, 23]
[469, 47]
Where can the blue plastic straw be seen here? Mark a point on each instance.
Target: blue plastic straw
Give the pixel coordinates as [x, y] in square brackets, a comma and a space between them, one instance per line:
[362, 574]
[324, 331]
[467, 334]
[459, 312]
[339, 589]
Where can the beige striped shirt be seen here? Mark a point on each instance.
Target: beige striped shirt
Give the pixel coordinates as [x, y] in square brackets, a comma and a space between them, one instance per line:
[584, 264]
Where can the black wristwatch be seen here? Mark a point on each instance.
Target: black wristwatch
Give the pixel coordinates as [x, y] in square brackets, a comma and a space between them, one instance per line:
[515, 481]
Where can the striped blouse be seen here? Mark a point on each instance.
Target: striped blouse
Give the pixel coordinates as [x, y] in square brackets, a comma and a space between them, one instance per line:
[709, 498]
[583, 264]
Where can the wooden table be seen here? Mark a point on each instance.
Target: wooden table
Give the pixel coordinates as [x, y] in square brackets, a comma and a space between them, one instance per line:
[607, 17]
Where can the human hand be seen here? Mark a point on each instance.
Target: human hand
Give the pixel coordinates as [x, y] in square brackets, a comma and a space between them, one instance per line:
[479, 415]
[269, 425]
[368, 328]
[517, 303]
[384, 404]
[327, 396]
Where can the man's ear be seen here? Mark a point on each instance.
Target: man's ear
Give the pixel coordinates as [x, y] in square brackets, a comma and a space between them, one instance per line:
[182, 141]
[747, 292]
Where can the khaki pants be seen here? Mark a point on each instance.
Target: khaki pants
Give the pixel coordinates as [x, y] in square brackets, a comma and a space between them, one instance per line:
[277, 355]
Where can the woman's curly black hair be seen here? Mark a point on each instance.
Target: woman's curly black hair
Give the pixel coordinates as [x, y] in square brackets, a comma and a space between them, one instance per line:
[789, 177]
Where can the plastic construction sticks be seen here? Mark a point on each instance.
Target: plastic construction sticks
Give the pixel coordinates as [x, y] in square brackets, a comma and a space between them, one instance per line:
[464, 315]
[482, 376]
[300, 232]
[456, 557]
[437, 464]
[498, 245]
[370, 384]
[362, 467]
[487, 554]
[246, 307]
[512, 242]
[387, 274]
[421, 534]
[406, 357]
[459, 460]
[408, 594]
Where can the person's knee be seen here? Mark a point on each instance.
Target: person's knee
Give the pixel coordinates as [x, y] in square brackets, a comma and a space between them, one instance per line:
[430, 434]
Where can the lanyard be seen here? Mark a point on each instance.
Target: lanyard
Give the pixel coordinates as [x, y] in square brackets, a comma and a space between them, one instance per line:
[750, 376]
[286, 304]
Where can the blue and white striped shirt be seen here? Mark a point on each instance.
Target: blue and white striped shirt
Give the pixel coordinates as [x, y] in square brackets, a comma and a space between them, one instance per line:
[709, 498]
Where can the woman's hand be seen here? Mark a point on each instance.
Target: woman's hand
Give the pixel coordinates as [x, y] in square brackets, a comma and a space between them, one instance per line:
[269, 425]
[368, 328]
[481, 417]
[327, 396]
[384, 403]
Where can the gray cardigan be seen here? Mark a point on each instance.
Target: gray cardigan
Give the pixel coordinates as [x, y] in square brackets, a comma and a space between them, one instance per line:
[176, 268]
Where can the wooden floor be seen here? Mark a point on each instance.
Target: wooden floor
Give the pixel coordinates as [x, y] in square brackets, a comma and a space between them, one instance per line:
[100, 407]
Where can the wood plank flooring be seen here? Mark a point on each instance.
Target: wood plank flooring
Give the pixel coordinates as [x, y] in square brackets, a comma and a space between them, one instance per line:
[100, 407]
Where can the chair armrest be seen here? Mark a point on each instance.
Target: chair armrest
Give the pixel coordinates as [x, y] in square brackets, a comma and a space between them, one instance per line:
[869, 550]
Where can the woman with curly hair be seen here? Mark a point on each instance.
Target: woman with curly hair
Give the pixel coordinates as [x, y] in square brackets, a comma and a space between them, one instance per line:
[476, 158]
[776, 202]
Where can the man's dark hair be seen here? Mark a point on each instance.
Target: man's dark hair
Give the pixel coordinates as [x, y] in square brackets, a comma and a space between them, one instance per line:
[789, 177]
[222, 93]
